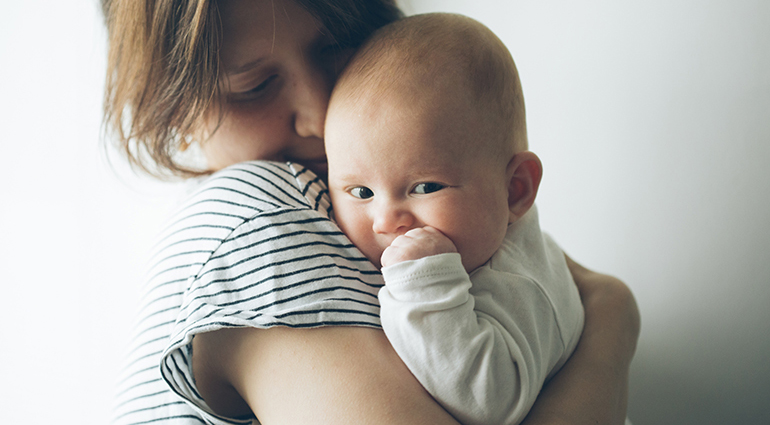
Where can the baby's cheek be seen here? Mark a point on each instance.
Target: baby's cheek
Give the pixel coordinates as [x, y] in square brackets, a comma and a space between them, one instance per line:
[354, 221]
[363, 238]
[372, 251]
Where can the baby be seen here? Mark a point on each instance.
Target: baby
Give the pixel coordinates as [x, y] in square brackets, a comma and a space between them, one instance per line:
[430, 177]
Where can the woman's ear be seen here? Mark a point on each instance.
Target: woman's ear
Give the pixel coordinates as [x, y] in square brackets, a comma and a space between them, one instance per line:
[524, 172]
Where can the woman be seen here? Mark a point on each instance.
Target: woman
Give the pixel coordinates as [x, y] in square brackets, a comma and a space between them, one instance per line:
[248, 80]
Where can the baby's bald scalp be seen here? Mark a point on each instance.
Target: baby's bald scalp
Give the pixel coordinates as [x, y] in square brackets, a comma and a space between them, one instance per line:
[442, 51]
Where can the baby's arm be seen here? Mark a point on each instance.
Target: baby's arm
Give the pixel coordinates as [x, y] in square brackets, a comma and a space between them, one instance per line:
[477, 369]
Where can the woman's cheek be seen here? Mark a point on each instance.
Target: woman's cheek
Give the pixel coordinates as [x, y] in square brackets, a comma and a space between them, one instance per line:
[255, 132]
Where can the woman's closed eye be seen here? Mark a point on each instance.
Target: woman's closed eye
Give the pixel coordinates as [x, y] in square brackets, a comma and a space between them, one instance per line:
[361, 192]
[257, 91]
[425, 188]
[263, 85]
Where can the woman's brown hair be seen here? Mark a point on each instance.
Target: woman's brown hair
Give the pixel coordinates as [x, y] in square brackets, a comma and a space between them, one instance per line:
[163, 69]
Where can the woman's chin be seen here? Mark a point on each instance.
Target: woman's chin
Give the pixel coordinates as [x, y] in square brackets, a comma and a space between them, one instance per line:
[319, 167]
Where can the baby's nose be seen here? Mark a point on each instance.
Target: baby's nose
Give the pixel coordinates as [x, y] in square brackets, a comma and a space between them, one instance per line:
[392, 220]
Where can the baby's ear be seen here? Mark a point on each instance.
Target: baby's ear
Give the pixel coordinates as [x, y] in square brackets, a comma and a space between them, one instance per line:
[524, 172]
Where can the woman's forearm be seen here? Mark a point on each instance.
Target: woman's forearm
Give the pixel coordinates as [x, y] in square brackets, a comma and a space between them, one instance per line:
[592, 388]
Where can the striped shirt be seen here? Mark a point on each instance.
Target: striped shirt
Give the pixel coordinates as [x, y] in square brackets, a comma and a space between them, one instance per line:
[254, 246]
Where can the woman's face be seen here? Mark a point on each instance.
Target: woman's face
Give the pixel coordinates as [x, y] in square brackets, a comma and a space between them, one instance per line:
[278, 69]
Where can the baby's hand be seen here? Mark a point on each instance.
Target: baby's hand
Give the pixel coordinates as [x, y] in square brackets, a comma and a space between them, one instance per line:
[416, 244]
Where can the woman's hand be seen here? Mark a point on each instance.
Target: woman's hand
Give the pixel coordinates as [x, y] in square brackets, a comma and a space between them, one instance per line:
[592, 388]
[335, 374]
[604, 298]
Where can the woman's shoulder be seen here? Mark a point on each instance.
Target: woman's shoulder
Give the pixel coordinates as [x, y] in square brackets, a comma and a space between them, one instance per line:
[258, 186]
[238, 194]
[261, 195]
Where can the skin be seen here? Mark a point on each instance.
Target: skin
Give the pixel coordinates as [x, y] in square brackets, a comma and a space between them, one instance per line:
[277, 85]
[279, 70]
[603, 354]
[278, 81]
[409, 180]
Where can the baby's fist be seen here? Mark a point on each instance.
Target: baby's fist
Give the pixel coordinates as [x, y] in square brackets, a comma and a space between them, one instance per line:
[416, 244]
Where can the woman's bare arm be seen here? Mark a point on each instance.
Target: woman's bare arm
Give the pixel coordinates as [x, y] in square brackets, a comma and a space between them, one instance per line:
[336, 375]
[592, 388]
[328, 375]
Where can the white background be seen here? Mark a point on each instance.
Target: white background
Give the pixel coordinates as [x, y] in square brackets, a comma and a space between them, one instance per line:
[653, 122]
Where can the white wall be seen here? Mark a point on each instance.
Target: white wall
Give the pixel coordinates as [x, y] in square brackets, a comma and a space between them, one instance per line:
[72, 234]
[653, 122]
[652, 119]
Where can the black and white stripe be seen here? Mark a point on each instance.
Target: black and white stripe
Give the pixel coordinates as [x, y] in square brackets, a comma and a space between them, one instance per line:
[254, 247]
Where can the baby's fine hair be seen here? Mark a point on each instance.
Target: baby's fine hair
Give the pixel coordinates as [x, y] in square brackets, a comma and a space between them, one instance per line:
[448, 47]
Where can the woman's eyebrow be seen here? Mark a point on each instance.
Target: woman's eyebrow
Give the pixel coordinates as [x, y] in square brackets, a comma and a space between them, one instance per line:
[240, 69]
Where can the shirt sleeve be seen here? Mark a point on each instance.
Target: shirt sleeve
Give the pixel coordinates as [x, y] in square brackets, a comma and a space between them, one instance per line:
[480, 365]
[284, 266]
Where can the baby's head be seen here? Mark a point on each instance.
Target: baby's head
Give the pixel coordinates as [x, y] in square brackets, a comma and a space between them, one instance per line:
[426, 127]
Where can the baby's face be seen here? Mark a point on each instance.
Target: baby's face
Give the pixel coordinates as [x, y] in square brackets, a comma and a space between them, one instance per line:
[395, 166]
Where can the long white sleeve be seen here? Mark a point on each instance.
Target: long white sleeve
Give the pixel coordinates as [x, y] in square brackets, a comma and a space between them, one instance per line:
[483, 350]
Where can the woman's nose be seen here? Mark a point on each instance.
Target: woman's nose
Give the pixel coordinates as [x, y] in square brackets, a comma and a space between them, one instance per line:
[311, 98]
[392, 220]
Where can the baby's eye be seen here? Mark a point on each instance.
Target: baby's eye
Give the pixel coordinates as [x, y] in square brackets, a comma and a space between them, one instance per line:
[362, 192]
[424, 188]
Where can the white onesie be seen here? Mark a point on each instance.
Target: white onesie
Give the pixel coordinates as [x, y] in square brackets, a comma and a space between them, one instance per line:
[483, 345]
